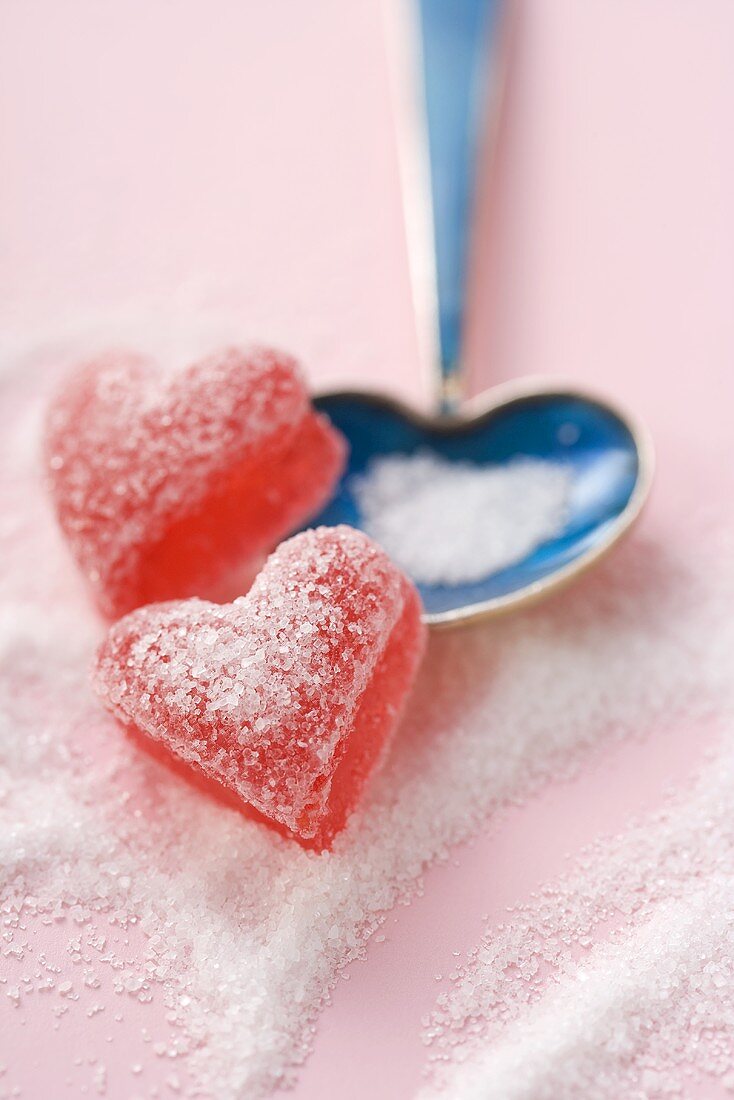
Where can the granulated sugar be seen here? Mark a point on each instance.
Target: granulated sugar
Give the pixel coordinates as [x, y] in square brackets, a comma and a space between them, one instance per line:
[539, 1012]
[239, 932]
[454, 522]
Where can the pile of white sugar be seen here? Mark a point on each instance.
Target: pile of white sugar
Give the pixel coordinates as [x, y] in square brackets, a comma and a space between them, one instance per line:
[455, 522]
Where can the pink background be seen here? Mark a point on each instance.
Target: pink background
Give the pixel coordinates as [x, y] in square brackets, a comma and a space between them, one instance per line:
[238, 161]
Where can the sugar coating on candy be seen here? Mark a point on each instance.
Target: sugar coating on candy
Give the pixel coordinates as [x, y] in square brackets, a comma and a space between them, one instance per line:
[181, 908]
[165, 484]
[456, 522]
[287, 696]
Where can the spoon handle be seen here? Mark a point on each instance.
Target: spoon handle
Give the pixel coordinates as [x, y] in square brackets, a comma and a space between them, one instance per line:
[456, 39]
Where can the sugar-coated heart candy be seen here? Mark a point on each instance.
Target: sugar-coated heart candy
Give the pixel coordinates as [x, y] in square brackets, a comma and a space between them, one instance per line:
[288, 696]
[171, 486]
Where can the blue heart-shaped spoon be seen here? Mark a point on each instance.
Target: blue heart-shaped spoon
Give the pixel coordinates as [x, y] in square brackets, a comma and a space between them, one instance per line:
[605, 458]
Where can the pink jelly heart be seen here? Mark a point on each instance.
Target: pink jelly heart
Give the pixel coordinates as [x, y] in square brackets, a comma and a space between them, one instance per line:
[288, 696]
[170, 486]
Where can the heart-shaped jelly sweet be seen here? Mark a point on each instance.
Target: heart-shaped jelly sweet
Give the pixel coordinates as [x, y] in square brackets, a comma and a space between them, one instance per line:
[288, 696]
[170, 486]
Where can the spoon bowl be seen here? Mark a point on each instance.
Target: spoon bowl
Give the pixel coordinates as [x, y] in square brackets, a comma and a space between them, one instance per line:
[608, 459]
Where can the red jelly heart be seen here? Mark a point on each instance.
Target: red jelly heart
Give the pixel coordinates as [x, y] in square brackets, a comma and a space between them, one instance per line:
[289, 695]
[171, 486]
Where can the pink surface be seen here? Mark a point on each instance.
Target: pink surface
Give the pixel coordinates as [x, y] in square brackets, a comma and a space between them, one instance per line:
[240, 159]
[237, 159]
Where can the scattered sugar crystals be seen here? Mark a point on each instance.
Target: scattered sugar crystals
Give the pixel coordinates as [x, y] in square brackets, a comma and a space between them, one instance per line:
[238, 933]
[543, 1011]
[454, 522]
